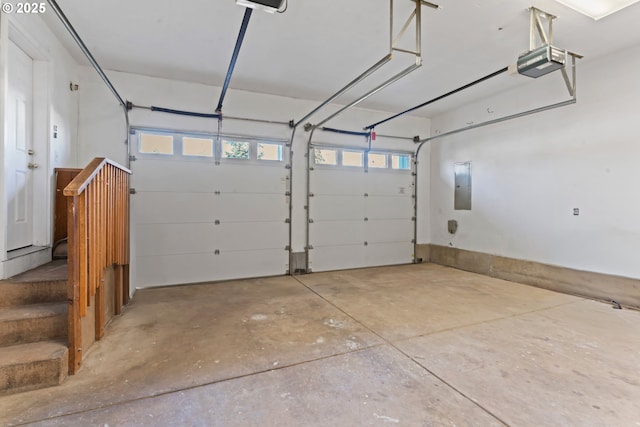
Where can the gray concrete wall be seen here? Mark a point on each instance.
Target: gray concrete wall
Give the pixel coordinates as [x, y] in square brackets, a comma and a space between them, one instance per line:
[624, 290]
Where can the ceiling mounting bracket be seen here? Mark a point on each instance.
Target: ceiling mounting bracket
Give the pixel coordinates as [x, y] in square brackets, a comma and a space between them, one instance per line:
[416, 16]
[537, 27]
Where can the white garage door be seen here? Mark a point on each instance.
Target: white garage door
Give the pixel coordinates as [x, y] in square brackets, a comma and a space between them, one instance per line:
[207, 208]
[361, 209]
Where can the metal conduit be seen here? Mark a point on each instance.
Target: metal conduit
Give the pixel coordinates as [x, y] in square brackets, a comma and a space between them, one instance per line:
[234, 57]
[431, 101]
[85, 50]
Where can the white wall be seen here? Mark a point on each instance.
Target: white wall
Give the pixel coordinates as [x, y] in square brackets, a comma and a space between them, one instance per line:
[102, 124]
[529, 173]
[54, 105]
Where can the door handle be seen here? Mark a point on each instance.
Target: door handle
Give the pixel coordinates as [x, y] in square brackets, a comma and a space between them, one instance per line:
[33, 166]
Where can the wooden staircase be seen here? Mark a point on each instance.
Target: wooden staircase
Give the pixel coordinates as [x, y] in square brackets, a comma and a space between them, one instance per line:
[33, 329]
[50, 316]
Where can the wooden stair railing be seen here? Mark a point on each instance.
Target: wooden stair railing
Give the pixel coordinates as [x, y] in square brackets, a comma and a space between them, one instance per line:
[98, 227]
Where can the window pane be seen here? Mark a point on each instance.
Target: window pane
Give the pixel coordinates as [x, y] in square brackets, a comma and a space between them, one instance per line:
[270, 152]
[377, 160]
[325, 157]
[156, 144]
[235, 150]
[352, 158]
[399, 161]
[200, 147]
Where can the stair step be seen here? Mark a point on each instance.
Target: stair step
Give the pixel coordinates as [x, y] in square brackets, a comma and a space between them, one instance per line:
[32, 366]
[33, 323]
[16, 293]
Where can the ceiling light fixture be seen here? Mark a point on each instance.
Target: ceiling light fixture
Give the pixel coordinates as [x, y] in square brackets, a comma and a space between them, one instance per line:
[270, 6]
[597, 9]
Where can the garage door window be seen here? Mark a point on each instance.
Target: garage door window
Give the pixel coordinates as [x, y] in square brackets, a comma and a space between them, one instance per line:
[400, 162]
[235, 149]
[353, 158]
[150, 143]
[271, 152]
[377, 160]
[197, 147]
[324, 156]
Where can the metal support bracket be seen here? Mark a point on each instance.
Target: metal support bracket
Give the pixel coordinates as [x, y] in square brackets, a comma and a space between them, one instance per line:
[537, 28]
[416, 16]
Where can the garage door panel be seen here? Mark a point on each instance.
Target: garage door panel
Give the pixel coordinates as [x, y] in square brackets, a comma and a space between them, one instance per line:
[350, 207]
[163, 207]
[389, 254]
[252, 207]
[166, 175]
[256, 263]
[389, 207]
[175, 269]
[337, 208]
[174, 239]
[378, 231]
[332, 181]
[331, 233]
[273, 179]
[178, 201]
[390, 183]
[251, 236]
[337, 257]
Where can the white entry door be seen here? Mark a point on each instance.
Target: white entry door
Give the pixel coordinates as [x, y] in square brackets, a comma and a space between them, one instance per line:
[19, 181]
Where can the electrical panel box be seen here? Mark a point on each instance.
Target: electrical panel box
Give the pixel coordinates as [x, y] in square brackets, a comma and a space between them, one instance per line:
[462, 182]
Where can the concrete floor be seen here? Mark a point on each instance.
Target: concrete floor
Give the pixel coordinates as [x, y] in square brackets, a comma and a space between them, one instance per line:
[419, 345]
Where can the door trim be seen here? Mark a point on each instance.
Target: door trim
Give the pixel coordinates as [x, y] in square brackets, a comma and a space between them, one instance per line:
[11, 30]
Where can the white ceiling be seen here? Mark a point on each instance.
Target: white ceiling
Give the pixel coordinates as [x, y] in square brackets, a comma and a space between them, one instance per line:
[316, 47]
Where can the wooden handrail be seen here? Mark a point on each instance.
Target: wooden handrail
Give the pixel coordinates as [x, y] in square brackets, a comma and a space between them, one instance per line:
[98, 239]
[82, 180]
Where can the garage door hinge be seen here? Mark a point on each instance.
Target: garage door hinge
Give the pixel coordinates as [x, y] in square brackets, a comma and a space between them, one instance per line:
[217, 252]
[310, 221]
[366, 243]
[413, 218]
[312, 169]
[132, 191]
[132, 158]
[287, 248]
[366, 219]
[217, 222]
[217, 193]
[309, 247]
[414, 174]
[287, 166]
[287, 221]
[311, 195]
[413, 241]
[366, 194]
[287, 193]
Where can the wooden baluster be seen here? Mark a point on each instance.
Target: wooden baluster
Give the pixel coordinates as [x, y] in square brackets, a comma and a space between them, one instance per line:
[74, 331]
[81, 211]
